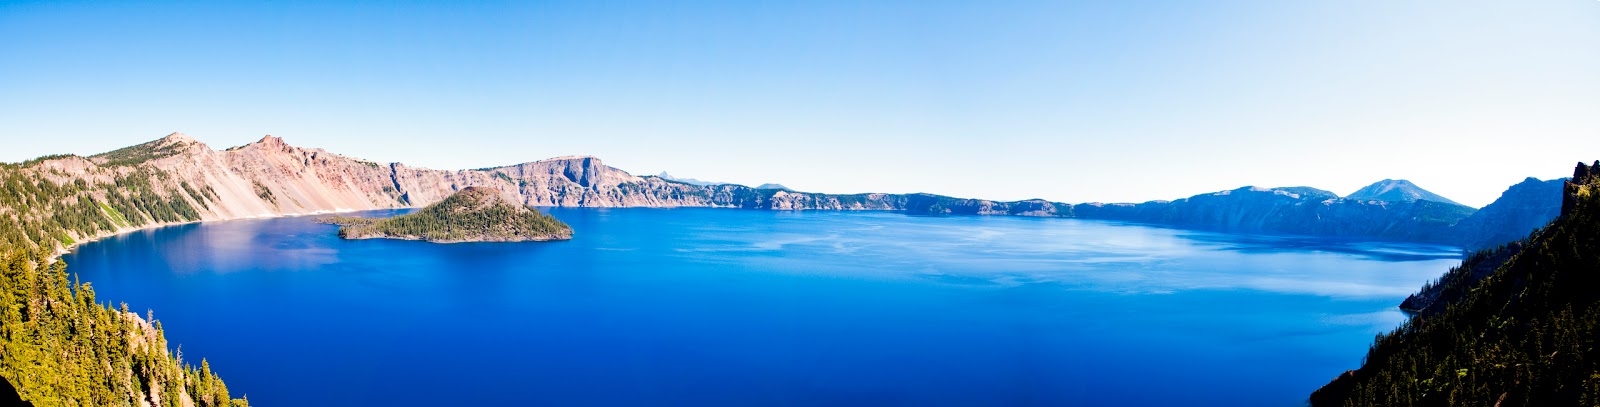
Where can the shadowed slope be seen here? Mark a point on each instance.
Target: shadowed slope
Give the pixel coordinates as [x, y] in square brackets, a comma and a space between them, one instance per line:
[1515, 326]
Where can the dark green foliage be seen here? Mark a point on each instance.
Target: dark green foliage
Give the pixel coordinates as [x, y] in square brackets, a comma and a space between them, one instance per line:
[195, 195]
[265, 193]
[57, 345]
[35, 212]
[129, 156]
[41, 159]
[504, 177]
[472, 214]
[138, 197]
[61, 348]
[1515, 326]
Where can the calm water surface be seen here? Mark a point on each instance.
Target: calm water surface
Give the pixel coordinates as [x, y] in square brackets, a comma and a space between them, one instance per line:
[710, 307]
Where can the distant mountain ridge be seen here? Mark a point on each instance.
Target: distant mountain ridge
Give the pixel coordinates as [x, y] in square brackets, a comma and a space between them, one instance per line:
[664, 175]
[1293, 210]
[1522, 208]
[1397, 190]
[178, 179]
[691, 181]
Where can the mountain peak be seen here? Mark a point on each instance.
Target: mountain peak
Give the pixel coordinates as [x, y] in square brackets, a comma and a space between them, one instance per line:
[177, 141]
[177, 137]
[1397, 190]
[481, 197]
[168, 146]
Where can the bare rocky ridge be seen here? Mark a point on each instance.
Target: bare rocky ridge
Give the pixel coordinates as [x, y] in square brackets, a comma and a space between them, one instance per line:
[272, 178]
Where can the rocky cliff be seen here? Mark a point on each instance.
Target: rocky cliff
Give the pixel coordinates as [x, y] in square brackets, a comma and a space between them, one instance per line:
[178, 179]
[60, 200]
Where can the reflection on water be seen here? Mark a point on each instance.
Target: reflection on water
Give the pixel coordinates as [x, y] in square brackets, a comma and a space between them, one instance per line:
[733, 307]
[1386, 251]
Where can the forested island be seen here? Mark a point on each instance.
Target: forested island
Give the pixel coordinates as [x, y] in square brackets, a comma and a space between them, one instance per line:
[473, 214]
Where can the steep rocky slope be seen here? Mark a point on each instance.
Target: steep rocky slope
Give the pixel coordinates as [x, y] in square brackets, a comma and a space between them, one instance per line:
[1521, 209]
[179, 179]
[58, 201]
[1512, 326]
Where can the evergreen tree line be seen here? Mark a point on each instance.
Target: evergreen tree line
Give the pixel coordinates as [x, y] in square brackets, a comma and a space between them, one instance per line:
[139, 154]
[1512, 326]
[58, 346]
[459, 218]
[36, 212]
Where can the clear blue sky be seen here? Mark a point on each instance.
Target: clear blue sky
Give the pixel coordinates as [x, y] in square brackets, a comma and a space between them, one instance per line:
[1069, 101]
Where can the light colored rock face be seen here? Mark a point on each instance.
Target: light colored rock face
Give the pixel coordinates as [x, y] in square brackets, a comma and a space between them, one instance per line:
[272, 178]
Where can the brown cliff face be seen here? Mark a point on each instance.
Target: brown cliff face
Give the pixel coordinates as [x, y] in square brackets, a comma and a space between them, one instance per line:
[179, 179]
[269, 178]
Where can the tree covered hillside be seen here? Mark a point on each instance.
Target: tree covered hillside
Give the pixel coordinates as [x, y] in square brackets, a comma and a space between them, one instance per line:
[40, 209]
[1513, 326]
[59, 347]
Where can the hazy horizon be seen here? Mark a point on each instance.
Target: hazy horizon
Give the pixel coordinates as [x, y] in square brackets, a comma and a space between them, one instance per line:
[1070, 102]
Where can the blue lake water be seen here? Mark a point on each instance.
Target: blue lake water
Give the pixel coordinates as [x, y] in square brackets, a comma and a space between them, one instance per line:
[721, 307]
